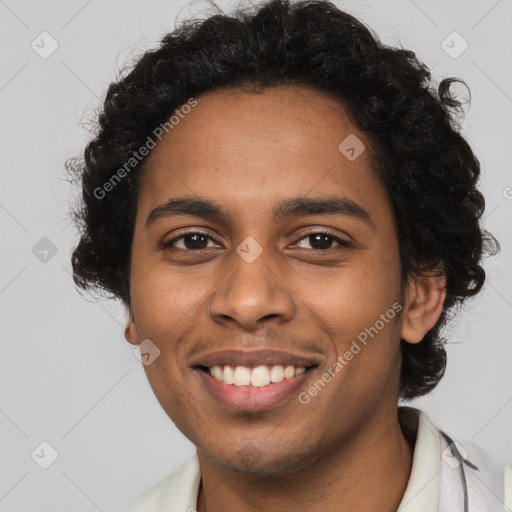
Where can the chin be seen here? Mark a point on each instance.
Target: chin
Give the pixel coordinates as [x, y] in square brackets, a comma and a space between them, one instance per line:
[252, 460]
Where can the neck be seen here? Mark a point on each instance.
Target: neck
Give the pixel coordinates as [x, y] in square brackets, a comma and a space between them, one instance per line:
[369, 474]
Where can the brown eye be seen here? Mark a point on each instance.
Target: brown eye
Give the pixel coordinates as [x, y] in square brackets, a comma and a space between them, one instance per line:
[323, 241]
[191, 241]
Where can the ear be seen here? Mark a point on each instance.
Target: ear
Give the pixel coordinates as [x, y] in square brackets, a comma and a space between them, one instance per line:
[423, 306]
[130, 332]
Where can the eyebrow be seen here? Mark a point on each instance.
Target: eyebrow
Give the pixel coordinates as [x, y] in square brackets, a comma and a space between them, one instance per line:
[301, 205]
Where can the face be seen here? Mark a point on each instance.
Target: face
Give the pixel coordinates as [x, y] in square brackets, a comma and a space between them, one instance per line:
[259, 244]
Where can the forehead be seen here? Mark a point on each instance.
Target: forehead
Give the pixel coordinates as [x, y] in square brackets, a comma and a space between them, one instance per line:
[249, 149]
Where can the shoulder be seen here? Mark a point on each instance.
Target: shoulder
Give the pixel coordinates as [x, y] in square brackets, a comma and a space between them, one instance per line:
[485, 483]
[452, 475]
[176, 492]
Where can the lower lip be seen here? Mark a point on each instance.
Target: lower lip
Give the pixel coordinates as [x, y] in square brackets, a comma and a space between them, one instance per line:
[253, 398]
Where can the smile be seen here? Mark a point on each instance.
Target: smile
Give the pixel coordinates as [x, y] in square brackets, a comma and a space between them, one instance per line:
[254, 380]
[259, 376]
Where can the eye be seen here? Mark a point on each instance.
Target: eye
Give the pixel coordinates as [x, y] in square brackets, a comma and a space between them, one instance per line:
[323, 240]
[190, 241]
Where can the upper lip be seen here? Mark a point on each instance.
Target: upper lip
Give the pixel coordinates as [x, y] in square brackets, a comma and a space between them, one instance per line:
[255, 358]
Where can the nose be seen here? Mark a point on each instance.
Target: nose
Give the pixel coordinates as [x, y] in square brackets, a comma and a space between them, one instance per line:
[251, 295]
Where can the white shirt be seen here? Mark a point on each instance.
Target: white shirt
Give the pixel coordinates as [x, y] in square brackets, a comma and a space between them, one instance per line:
[445, 477]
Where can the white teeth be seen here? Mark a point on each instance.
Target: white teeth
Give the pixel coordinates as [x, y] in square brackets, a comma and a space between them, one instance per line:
[277, 373]
[258, 377]
[242, 376]
[289, 372]
[217, 373]
[229, 375]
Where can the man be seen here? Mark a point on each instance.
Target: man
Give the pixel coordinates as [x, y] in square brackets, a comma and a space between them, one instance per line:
[289, 214]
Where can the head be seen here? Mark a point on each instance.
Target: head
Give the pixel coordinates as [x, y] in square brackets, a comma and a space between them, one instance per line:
[302, 188]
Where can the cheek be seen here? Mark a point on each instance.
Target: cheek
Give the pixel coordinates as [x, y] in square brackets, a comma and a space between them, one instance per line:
[346, 300]
[164, 298]
[359, 306]
[172, 392]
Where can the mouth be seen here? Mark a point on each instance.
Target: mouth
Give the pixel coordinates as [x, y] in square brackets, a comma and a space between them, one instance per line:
[264, 381]
[259, 376]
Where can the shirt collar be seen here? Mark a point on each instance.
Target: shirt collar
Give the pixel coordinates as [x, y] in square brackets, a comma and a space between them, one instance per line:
[422, 492]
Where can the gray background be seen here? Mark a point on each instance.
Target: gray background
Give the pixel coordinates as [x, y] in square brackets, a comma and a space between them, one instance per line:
[67, 376]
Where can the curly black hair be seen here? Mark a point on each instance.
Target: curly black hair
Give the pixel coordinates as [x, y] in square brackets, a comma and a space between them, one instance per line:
[428, 169]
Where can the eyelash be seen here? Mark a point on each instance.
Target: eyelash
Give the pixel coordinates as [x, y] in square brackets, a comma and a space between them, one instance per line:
[342, 243]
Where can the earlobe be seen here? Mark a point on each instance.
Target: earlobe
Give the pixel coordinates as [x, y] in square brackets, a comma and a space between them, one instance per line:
[130, 332]
[424, 305]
